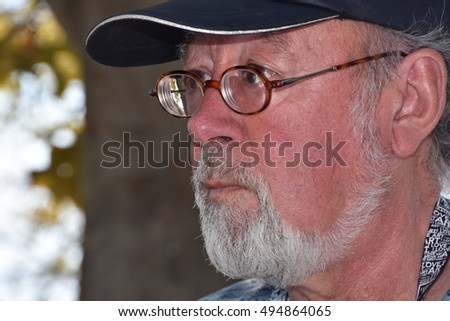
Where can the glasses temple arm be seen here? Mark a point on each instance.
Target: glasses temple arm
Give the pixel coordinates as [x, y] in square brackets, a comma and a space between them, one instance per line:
[288, 81]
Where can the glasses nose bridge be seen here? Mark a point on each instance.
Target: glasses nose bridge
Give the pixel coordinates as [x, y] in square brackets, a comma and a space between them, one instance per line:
[213, 84]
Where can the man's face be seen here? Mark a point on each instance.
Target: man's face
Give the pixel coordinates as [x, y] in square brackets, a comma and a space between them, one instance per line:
[298, 159]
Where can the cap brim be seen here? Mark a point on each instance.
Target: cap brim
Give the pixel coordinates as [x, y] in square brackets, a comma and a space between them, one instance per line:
[151, 36]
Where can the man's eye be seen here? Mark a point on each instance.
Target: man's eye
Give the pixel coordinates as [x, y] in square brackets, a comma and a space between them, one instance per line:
[251, 78]
[191, 83]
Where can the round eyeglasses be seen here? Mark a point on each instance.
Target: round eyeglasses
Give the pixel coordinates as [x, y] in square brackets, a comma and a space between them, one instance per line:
[245, 89]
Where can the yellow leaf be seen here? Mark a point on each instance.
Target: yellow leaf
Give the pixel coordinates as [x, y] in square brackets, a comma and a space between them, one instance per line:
[5, 26]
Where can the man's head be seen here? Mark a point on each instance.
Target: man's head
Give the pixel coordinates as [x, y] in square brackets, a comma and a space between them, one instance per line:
[284, 192]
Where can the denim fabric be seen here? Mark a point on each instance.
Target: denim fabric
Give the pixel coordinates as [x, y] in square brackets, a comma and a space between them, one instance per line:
[249, 290]
[446, 296]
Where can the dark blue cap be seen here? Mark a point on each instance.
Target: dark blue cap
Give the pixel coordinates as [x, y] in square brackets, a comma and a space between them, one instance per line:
[151, 35]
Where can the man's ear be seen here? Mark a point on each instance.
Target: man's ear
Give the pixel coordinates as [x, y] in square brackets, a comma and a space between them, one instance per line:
[422, 84]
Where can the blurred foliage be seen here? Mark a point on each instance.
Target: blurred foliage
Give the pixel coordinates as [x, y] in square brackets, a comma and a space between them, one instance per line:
[30, 37]
[42, 96]
[63, 178]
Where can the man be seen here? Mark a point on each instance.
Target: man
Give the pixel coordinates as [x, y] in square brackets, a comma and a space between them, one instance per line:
[320, 138]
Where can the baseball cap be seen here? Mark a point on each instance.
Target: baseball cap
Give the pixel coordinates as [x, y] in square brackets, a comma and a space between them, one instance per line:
[152, 35]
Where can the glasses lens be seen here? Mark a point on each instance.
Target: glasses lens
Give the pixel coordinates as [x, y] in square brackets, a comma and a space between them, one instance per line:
[244, 90]
[180, 94]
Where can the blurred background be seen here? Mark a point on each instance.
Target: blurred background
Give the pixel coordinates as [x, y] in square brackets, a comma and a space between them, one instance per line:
[70, 229]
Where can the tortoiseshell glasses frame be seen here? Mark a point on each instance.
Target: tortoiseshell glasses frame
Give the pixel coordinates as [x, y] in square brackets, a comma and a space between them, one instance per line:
[245, 89]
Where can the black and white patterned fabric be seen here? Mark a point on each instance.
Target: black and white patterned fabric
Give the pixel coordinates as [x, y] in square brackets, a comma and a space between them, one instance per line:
[437, 247]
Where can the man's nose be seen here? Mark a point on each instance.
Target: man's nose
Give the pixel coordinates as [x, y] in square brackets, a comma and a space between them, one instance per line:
[215, 122]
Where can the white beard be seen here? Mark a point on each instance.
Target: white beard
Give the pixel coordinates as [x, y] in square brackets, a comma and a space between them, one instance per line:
[258, 244]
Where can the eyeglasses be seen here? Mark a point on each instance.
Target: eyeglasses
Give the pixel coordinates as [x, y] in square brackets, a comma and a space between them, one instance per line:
[245, 89]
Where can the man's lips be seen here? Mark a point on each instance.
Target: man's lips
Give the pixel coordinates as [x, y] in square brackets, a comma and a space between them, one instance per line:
[218, 186]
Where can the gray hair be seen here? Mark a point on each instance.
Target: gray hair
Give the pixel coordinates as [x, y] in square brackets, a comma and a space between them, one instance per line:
[373, 77]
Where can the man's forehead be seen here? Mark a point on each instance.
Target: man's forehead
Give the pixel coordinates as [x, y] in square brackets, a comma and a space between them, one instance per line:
[270, 39]
[343, 33]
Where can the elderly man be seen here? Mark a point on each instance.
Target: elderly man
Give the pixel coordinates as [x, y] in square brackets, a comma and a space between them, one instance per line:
[319, 138]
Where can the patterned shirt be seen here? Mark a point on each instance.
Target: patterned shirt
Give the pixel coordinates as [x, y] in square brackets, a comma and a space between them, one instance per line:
[436, 252]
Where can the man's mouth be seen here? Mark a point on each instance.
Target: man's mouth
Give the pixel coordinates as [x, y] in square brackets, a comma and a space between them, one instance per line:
[221, 185]
[216, 187]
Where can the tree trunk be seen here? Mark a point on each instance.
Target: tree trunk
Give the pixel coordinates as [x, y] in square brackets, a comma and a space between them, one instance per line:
[141, 240]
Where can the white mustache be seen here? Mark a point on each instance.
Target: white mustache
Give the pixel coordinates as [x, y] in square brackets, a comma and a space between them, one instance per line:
[231, 173]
